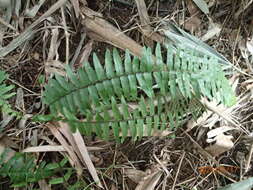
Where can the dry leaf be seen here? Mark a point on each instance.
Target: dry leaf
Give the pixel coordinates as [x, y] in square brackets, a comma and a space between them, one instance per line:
[86, 158]
[213, 30]
[212, 116]
[201, 121]
[246, 48]
[45, 148]
[149, 182]
[114, 187]
[54, 67]
[221, 111]
[20, 99]
[85, 53]
[43, 185]
[65, 130]
[54, 44]
[249, 45]
[22, 122]
[192, 8]
[243, 48]
[223, 143]
[76, 7]
[134, 174]
[73, 159]
[8, 154]
[218, 131]
[8, 142]
[54, 148]
[95, 23]
[202, 5]
[193, 22]
[34, 10]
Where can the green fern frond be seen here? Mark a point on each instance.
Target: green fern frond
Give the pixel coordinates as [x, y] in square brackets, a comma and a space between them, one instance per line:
[22, 169]
[149, 115]
[5, 94]
[96, 98]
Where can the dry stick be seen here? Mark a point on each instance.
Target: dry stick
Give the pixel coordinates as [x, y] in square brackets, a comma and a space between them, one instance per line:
[249, 158]
[78, 49]
[229, 178]
[180, 164]
[33, 93]
[86, 51]
[66, 35]
[29, 31]
[95, 24]
[240, 11]
[212, 108]
[143, 13]
[202, 180]
[145, 22]
[7, 24]
[162, 165]
[76, 7]
[202, 151]
[53, 44]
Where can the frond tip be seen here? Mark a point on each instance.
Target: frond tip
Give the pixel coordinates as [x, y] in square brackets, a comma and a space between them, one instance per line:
[96, 98]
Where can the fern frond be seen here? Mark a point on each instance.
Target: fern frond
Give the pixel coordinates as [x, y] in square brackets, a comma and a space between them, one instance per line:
[22, 169]
[5, 94]
[94, 94]
[150, 114]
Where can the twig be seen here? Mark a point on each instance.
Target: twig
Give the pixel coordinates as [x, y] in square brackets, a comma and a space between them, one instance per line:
[53, 45]
[106, 32]
[249, 158]
[33, 93]
[162, 165]
[180, 164]
[78, 49]
[202, 151]
[76, 7]
[7, 24]
[143, 13]
[145, 22]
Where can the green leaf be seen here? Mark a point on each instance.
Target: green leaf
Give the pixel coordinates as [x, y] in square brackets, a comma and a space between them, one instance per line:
[127, 63]
[109, 65]
[116, 110]
[98, 68]
[202, 5]
[158, 53]
[140, 128]
[124, 130]
[56, 181]
[117, 62]
[142, 107]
